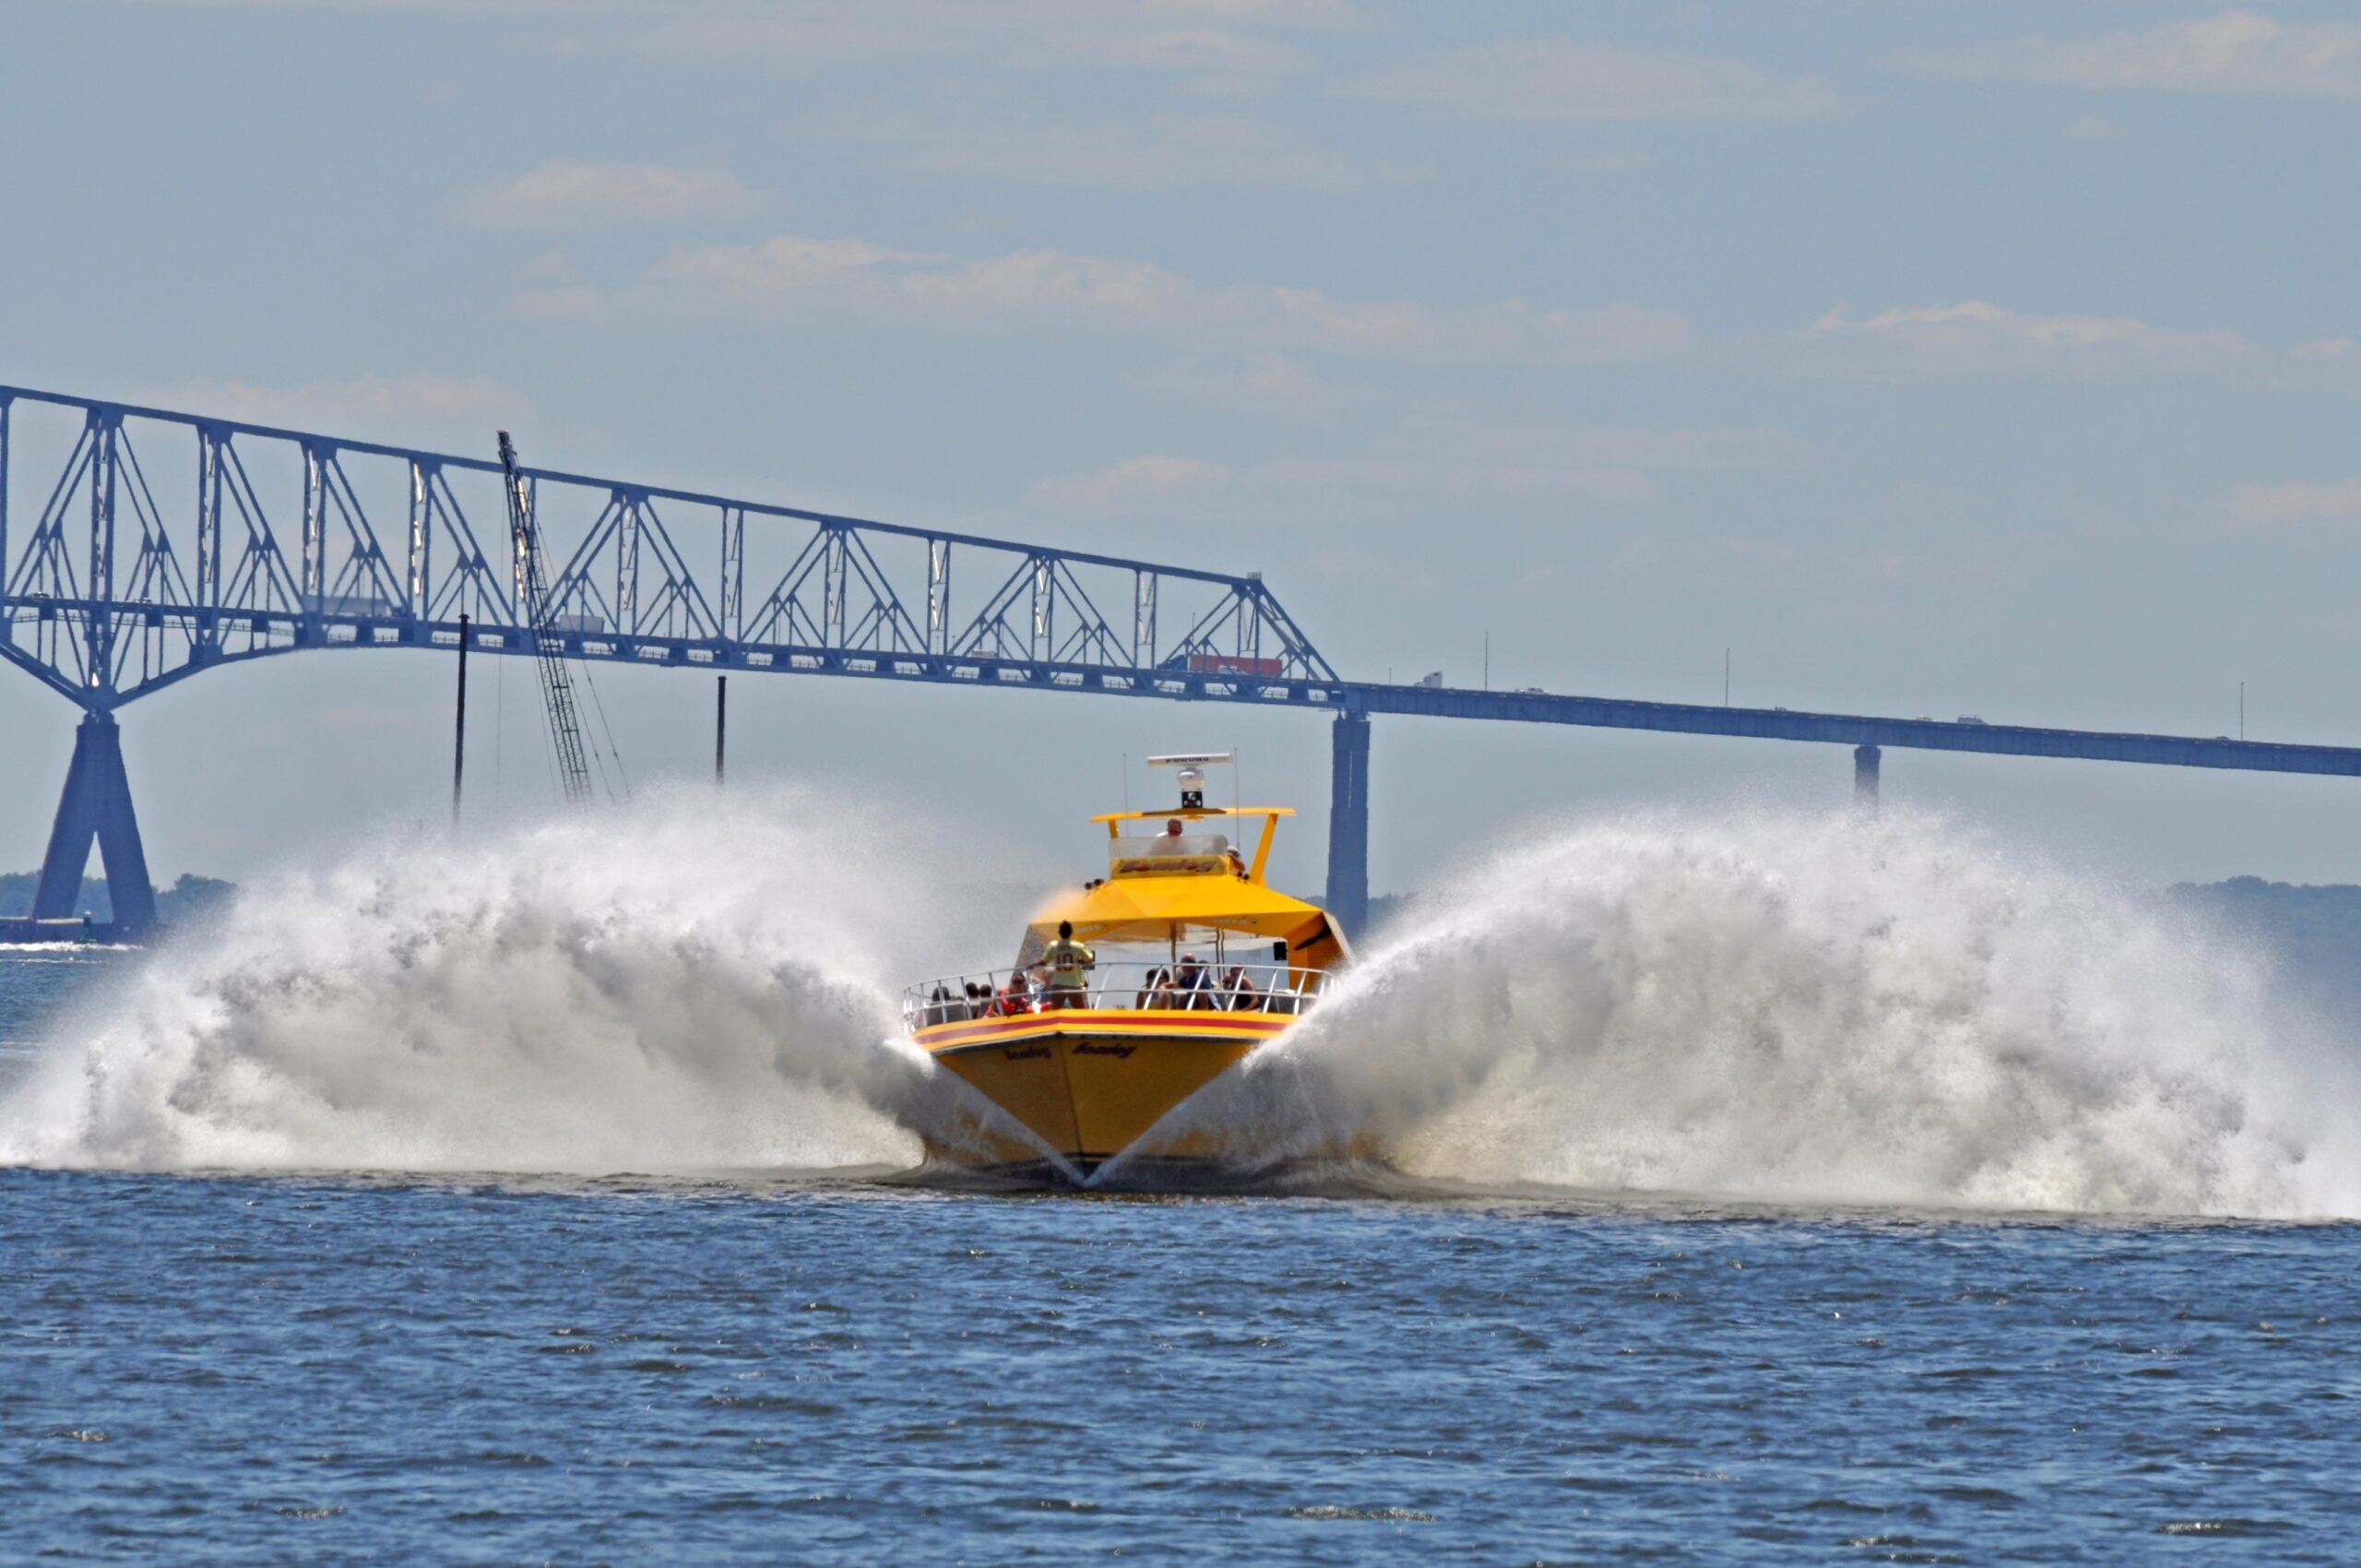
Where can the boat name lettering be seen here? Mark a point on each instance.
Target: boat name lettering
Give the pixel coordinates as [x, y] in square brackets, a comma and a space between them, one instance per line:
[1118, 1051]
[1024, 1052]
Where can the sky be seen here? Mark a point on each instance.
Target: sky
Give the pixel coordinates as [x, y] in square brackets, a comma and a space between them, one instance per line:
[1998, 358]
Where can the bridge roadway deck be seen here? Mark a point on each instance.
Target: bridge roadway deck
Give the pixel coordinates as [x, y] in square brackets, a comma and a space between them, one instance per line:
[1924, 734]
[332, 631]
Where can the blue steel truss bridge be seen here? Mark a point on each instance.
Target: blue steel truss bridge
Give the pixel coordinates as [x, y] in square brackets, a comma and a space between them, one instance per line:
[141, 546]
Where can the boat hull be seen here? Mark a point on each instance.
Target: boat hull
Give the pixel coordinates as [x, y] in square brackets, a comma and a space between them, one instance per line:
[1090, 1084]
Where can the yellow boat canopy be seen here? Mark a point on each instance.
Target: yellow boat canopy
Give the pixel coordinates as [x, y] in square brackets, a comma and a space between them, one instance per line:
[1143, 902]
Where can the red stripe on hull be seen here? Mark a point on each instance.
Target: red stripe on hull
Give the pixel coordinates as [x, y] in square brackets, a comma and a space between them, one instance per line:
[939, 1037]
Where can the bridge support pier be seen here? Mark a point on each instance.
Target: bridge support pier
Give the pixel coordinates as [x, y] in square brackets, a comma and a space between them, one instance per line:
[1348, 900]
[1865, 778]
[97, 802]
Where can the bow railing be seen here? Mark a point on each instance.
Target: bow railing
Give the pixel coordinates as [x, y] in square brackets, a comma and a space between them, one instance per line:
[1118, 986]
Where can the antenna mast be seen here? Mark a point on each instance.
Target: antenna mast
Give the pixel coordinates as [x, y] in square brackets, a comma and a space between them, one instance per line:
[557, 688]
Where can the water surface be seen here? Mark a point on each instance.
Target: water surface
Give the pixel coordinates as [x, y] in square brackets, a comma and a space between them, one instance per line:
[319, 1367]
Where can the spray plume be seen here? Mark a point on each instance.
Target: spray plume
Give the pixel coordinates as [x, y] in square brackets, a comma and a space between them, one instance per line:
[688, 985]
[1809, 1008]
[1745, 1005]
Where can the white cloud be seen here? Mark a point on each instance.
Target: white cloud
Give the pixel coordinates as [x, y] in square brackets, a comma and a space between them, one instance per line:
[1976, 337]
[1219, 43]
[1217, 51]
[561, 194]
[794, 278]
[425, 410]
[548, 267]
[2234, 52]
[1599, 164]
[788, 265]
[891, 17]
[1759, 450]
[2271, 508]
[1153, 482]
[2319, 364]
[1614, 333]
[456, 7]
[1622, 464]
[1272, 382]
[1166, 152]
[1606, 465]
[556, 303]
[1461, 476]
[1552, 80]
[1221, 47]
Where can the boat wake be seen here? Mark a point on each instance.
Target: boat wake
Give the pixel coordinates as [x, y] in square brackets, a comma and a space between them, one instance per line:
[691, 983]
[1811, 1009]
[1749, 1006]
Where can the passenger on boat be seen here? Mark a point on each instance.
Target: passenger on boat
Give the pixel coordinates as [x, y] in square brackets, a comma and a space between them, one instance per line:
[1193, 986]
[938, 1006]
[1169, 841]
[1240, 990]
[1156, 990]
[1236, 864]
[979, 1001]
[1069, 962]
[1010, 1002]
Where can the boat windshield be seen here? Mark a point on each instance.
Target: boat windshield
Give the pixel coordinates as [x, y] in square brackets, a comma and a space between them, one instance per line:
[1169, 854]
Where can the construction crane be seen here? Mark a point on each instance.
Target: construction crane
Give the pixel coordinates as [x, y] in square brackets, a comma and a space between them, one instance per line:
[557, 687]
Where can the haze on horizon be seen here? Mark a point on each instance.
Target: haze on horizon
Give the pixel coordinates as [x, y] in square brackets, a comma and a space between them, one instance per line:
[1996, 360]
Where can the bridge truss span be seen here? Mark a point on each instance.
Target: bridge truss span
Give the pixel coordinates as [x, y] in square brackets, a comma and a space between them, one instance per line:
[140, 545]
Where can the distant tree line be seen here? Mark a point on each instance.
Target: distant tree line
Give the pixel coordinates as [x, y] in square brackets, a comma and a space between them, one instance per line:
[2313, 932]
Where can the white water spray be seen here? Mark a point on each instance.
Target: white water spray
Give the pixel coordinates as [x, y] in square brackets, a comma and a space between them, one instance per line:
[1809, 1008]
[696, 982]
[1785, 1008]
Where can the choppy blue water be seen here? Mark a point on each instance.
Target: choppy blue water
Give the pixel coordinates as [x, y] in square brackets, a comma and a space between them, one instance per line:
[308, 1369]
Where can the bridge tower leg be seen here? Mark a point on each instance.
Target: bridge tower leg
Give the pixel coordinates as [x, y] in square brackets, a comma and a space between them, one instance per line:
[97, 802]
[1349, 826]
[1865, 778]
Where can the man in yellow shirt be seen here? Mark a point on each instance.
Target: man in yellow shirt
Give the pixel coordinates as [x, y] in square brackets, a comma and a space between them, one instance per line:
[1069, 962]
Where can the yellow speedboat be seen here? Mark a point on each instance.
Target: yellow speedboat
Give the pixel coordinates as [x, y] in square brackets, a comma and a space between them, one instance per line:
[1192, 961]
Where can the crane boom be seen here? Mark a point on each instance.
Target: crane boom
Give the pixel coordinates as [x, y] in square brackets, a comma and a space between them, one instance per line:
[557, 687]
